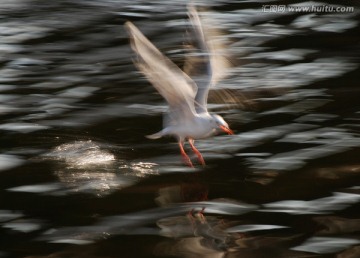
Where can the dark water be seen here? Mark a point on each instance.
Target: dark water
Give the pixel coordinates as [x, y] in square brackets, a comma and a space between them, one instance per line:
[79, 179]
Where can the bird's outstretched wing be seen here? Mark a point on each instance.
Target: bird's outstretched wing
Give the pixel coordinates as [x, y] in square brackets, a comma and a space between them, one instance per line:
[170, 81]
[210, 62]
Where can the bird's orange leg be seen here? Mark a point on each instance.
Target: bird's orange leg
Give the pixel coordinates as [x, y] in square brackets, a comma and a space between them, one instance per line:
[202, 216]
[185, 156]
[197, 152]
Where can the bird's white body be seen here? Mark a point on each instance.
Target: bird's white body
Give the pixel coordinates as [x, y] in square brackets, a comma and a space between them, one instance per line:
[200, 126]
[188, 117]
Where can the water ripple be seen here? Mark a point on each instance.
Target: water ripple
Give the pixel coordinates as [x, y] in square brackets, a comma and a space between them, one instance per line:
[8, 161]
[338, 201]
[323, 245]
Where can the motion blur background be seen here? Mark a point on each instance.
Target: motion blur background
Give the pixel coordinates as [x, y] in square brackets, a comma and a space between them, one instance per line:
[79, 179]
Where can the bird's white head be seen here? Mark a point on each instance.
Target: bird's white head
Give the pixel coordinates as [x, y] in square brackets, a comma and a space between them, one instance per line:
[219, 123]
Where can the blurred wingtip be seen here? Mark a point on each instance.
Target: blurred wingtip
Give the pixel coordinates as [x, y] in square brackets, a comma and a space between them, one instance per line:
[190, 6]
[205, 36]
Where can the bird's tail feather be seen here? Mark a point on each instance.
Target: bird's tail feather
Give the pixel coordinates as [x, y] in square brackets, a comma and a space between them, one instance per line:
[155, 135]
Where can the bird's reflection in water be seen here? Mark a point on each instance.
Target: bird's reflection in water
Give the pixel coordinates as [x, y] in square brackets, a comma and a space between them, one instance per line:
[220, 238]
[216, 238]
[194, 234]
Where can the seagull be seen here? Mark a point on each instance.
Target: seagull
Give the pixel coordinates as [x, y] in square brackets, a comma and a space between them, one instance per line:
[188, 117]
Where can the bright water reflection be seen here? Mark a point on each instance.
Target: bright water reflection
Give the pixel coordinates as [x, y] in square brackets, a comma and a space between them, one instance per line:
[90, 166]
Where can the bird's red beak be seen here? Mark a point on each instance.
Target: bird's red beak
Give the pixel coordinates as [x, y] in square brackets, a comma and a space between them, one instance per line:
[226, 129]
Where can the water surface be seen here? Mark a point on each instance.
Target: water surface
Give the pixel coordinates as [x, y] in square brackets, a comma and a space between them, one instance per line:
[78, 178]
